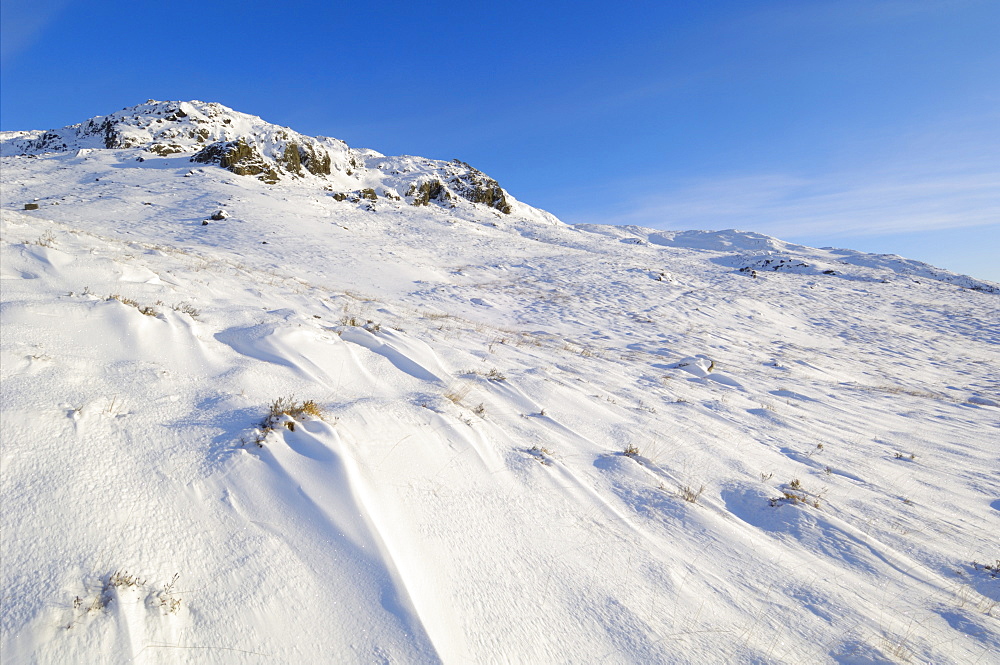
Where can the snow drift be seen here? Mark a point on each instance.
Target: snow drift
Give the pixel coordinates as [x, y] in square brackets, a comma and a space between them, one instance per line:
[526, 441]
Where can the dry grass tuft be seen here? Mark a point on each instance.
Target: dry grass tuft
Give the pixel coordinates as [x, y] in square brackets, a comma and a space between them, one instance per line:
[284, 411]
[690, 494]
[288, 406]
[456, 394]
[47, 239]
[148, 310]
[186, 308]
[543, 455]
[495, 375]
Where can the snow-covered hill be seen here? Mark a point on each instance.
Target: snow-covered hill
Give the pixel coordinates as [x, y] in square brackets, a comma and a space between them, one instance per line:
[246, 145]
[380, 411]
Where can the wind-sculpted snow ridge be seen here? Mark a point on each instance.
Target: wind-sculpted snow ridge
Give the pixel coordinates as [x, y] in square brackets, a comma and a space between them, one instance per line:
[252, 422]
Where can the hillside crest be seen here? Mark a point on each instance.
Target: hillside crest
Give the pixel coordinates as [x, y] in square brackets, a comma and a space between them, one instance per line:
[210, 133]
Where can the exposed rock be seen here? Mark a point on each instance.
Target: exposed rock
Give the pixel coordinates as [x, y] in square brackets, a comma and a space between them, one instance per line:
[477, 187]
[427, 191]
[317, 162]
[49, 141]
[164, 149]
[290, 159]
[211, 133]
[239, 157]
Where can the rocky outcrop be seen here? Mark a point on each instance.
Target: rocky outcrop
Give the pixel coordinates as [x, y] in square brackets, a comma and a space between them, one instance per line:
[469, 183]
[210, 133]
[239, 157]
[477, 187]
[427, 191]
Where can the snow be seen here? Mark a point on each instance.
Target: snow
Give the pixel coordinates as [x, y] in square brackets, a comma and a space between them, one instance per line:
[516, 413]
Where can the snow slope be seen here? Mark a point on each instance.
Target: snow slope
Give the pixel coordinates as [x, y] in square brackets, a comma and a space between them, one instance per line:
[539, 443]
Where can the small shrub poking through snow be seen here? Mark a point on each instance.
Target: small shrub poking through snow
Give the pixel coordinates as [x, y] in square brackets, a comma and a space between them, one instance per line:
[148, 310]
[47, 239]
[543, 455]
[456, 394]
[123, 300]
[289, 407]
[631, 451]
[690, 494]
[186, 308]
[794, 494]
[992, 570]
[166, 599]
[369, 325]
[121, 579]
[285, 411]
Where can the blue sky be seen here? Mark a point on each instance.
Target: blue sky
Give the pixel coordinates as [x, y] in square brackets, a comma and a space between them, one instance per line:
[869, 124]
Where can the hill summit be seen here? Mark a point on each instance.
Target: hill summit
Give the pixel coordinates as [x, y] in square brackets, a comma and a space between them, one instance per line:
[210, 133]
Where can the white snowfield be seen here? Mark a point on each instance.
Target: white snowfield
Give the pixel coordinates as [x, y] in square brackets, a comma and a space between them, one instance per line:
[496, 438]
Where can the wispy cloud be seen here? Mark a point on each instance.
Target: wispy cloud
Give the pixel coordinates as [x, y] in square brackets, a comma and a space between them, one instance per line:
[941, 176]
[23, 22]
[787, 205]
